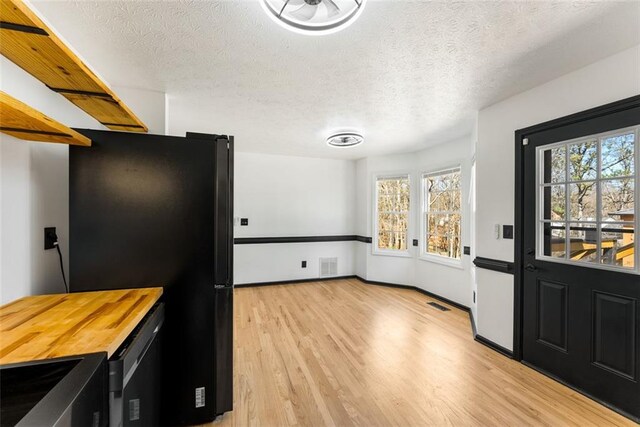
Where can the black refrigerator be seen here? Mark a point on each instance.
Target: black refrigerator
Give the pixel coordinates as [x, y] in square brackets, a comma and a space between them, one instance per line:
[150, 210]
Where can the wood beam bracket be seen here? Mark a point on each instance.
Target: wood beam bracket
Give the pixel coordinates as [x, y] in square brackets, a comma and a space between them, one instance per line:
[22, 28]
[37, 132]
[122, 125]
[107, 96]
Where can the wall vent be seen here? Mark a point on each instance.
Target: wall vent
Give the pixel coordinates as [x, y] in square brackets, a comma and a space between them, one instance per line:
[328, 267]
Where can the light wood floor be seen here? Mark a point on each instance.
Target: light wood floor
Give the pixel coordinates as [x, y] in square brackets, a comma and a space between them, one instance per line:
[346, 353]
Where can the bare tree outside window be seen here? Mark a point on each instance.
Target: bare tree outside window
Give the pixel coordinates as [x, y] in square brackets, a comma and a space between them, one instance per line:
[442, 213]
[392, 207]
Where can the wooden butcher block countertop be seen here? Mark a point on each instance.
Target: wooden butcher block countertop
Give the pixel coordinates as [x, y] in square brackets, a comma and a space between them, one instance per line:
[48, 326]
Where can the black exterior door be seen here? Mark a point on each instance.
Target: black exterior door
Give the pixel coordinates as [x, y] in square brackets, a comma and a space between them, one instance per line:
[580, 281]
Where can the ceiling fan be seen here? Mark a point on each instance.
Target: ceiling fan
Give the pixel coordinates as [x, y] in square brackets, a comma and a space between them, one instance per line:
[314, 16]
[308, 9]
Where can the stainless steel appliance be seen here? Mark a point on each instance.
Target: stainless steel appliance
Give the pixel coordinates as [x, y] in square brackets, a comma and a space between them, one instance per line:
[62, 392]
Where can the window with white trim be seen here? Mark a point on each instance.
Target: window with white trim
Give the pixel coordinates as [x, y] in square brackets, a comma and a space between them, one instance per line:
[392, 213]
[587, 200]
[442, 214]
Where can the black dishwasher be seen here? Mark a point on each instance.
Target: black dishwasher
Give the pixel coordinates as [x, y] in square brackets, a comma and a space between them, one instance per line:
[134, 375]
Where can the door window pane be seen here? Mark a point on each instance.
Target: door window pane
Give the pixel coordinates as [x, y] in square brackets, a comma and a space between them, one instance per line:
[555, 239]
[583, 160]
[618, 245]
[554, 201]
[618, 156]
[555, 167]
[618, 199]
[583, 242]
[587, 190]
[583, 200]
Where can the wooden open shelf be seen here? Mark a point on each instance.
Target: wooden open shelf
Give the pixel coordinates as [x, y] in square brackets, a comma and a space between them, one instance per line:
[20, 120]
[29, 43]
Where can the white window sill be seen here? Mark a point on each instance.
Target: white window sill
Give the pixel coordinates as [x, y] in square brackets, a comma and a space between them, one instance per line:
[401, 254]
[449, 262]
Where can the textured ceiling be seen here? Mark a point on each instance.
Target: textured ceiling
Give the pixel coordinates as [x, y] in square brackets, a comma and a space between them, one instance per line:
[408, 74]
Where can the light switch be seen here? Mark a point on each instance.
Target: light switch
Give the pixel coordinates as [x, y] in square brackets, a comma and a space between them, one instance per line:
[497, 231]
[507, 231]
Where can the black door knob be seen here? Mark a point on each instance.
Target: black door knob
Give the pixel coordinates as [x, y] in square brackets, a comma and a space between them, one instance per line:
[530, 267]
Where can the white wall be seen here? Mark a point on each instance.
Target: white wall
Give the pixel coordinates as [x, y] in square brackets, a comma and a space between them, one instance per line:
[292, 196]
[443, 280]
[448, 281]
[608, 80]
[34, 184]
[361, 209]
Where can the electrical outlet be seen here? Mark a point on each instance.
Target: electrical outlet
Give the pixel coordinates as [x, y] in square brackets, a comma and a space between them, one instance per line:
[507, 231]
[304, 264]
[466, 250]
[415, 242]
[50, 237]
[244, 221]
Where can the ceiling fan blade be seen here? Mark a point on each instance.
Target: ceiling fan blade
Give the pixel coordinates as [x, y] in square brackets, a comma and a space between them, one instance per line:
[332, 8]
[305, 12]
[288, 4]
[295, 3]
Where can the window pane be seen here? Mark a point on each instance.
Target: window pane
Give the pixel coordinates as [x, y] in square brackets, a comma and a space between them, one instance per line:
[443, 224]
[392, 240]
[393, 186]
[455, 246]
[393, 213]
[454, 225]
[583, 160]
[582, 197]
[393, 203]
[618, 199]
[443, 182]
[583, 244]
[554, 243]
[555, 165]
[618, 245]
[618, 156]
[384, 239]
[438, 245]
[443, 220]
[444, 201]
[385, 222]
[554, 202]
[388, 186]
[392, 222]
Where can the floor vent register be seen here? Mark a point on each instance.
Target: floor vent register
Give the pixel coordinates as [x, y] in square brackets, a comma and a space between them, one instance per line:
[438, 306]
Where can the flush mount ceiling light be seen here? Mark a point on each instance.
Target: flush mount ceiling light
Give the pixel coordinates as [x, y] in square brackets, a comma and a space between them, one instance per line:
[314, 16]
[345, 139]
